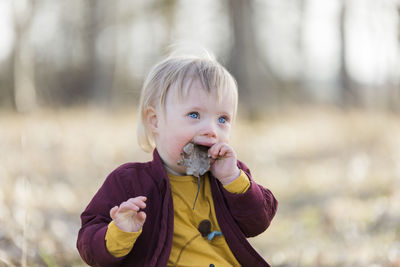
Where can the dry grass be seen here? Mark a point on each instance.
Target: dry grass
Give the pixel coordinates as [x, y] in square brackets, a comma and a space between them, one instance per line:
[336, 175]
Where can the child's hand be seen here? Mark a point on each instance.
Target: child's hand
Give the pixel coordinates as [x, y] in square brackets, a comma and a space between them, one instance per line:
[223, 163]
[127, 216]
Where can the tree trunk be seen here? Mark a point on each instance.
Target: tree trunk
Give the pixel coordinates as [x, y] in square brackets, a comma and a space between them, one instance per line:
[349, 95]
[101, 56]
[23, 56]
[255, 81]
[168, 11]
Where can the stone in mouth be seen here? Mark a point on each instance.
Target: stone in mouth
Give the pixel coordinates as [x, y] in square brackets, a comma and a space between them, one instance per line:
[195, 159]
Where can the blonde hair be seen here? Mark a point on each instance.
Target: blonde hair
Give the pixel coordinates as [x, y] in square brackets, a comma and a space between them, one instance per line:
[177, 71]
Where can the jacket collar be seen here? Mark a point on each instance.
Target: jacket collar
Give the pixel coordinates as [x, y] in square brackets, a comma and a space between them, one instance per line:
[158, 170]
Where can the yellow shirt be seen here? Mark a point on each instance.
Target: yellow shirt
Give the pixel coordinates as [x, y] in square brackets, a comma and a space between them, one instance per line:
[189, 248]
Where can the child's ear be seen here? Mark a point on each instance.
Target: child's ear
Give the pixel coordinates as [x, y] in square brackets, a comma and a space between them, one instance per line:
[152, 119]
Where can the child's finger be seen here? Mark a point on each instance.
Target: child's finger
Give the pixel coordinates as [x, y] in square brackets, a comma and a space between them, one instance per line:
[127, 206]
[220, 150]
[224, 150]
[141, 216]
[139, 198]
[113, 212]
[214, 150]
[138, 201]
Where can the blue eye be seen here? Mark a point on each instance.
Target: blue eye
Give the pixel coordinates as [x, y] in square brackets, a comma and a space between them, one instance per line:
[222, 120]
[194, 115]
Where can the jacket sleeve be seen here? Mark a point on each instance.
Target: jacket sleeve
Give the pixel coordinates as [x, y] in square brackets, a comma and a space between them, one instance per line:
[95, 219]
[254, 209]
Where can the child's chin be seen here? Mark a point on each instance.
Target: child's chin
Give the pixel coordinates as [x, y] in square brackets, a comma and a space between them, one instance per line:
[180, 171]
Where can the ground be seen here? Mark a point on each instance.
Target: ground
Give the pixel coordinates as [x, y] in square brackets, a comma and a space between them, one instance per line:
[335, 173]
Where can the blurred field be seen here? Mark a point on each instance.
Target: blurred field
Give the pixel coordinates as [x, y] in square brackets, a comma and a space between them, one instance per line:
[336, 175]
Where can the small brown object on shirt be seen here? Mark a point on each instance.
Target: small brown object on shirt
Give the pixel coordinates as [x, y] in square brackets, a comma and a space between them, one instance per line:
[204, 227]
[195, 159]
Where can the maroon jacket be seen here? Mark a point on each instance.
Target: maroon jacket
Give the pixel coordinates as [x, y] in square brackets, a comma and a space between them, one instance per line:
[239, 216]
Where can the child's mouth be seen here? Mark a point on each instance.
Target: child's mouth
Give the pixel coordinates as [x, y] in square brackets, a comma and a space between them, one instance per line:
[195, 159]
[202, 147]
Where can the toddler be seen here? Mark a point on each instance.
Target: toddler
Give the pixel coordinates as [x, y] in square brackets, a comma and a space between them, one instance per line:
[155, 213]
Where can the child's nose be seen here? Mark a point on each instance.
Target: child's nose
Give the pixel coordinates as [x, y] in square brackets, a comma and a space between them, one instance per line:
[209, 130]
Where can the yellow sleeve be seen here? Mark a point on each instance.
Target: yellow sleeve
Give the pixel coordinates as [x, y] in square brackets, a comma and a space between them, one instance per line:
[118, 242]
[240, 185]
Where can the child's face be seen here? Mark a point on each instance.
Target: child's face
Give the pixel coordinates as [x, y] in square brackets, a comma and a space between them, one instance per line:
[197, 117]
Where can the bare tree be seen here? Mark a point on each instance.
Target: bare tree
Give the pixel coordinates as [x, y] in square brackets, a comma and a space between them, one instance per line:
[393, 100]
[100, 15]
[256, 83]
[23, 57]
[168, 10]
[301, 93]
[349, 94]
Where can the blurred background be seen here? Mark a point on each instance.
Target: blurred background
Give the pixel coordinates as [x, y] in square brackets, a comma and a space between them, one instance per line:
[319, 125]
